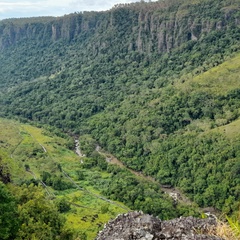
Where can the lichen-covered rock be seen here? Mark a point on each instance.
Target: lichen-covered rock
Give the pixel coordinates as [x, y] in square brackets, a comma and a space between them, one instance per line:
[136, 225]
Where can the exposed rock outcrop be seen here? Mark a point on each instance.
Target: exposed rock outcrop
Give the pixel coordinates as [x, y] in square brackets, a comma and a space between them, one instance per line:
[136, 225]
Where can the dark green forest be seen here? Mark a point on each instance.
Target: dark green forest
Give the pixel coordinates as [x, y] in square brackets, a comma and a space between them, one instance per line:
[155, 84]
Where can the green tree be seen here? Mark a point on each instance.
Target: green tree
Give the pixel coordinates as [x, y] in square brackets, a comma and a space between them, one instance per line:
[63, 205]
[8, 214]
[38, 216]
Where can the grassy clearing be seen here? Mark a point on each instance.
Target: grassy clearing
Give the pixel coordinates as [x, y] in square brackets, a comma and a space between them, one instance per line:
[10, 135]
[231, 130]
[219, 80]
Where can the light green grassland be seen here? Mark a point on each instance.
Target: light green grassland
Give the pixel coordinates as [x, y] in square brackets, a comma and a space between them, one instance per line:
[218, 80]
[25, 145]
[231, 130]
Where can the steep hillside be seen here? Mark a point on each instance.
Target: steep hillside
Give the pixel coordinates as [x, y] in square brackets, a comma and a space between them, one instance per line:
[152, 83]
[41, 172]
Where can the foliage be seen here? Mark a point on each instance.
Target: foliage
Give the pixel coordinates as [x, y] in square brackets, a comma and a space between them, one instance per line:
[63, 205]
[230, 229]
[9, 221]
[57, 182]
[235, 226]
[39, 218]
[136, 192]
[5, 165]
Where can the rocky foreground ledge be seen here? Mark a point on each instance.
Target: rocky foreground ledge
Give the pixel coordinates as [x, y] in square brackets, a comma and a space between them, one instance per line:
[136, 225]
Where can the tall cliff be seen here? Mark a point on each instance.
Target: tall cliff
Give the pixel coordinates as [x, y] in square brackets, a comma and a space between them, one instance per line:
[144, 27]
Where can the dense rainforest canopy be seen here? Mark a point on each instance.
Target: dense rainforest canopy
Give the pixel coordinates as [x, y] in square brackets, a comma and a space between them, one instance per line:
[156, 84]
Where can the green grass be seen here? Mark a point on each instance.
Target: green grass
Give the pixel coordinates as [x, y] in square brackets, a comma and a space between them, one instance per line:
[218, 80]
[231, 130]
[10, 135]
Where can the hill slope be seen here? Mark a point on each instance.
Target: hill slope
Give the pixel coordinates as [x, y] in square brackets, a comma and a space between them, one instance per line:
[148, 81]
[37, 157]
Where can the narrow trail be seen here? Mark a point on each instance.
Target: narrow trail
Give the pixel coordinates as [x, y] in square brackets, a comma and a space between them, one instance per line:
[172, 192]
[44, 149]
[12, 153]
[80, 206]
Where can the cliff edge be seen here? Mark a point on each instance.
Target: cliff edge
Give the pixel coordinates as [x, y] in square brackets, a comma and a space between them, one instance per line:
[136, 225]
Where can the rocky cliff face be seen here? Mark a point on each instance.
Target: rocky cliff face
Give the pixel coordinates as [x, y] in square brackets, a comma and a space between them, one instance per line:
[136, 225]
[152, 27]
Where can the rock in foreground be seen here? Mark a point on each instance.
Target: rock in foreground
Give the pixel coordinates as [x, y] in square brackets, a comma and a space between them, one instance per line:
[136, 225]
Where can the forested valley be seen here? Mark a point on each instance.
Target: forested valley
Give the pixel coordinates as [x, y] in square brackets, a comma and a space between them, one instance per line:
[155, 84]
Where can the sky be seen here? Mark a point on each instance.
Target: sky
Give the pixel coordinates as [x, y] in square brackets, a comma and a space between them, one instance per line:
[33, 8]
